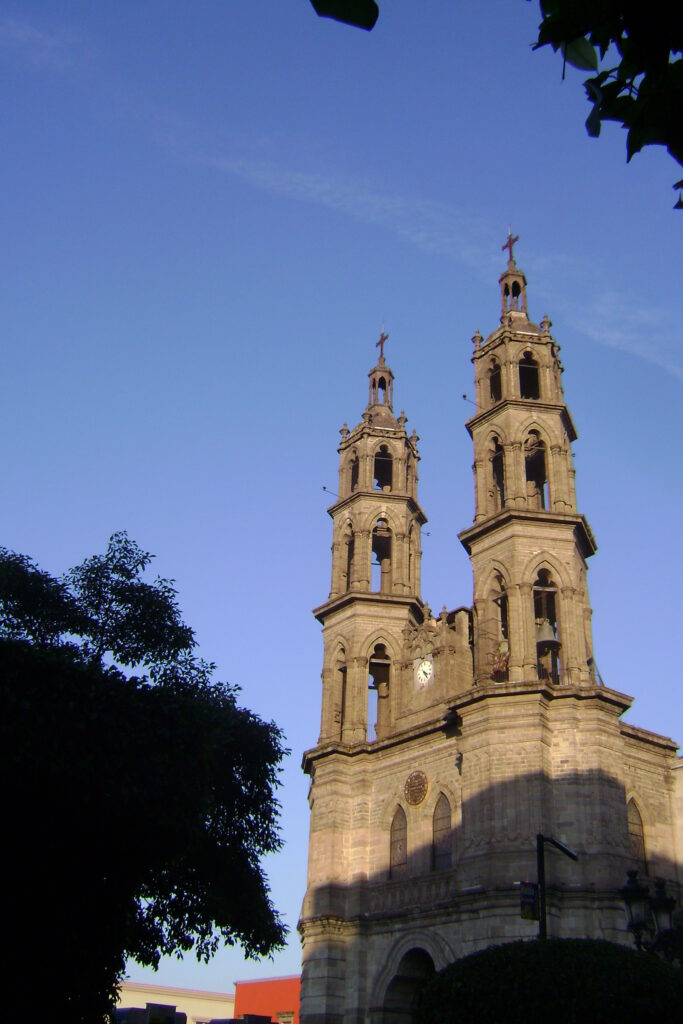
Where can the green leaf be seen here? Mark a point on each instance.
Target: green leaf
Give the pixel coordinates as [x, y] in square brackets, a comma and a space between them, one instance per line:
[593, 121]
[580, 54]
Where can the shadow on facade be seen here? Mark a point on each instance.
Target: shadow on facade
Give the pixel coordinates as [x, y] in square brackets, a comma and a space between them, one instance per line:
[370, 942]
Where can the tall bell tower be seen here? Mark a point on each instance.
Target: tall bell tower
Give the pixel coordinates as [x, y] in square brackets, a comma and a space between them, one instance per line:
[528, 544]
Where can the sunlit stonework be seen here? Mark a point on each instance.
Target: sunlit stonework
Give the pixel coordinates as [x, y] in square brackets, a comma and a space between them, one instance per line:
[449, 740]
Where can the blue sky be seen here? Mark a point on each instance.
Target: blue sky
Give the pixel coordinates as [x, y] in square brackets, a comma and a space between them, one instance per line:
[209, 210]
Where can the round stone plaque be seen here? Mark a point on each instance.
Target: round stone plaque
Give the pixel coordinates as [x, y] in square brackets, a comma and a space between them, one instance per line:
[415, 788]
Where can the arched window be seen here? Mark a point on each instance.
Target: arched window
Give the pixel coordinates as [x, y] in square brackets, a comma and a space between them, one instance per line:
[354, 472]
[497, 457]
[398, 843]
[547, 629]
[381, 558]
[410, 475]
[383, 471]
[495, 383]
[636, 836]
[379, 675]
[349, 556]
[537, 493]
[501, 651]
[340, 689]
[529, 386]
[441, 834]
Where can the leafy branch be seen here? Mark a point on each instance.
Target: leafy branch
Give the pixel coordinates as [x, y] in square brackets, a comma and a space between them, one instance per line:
[642, 86]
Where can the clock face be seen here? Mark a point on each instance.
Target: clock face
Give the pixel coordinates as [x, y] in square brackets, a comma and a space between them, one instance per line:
[424, 672]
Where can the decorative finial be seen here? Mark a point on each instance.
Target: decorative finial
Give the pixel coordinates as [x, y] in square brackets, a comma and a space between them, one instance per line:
[477, 338]
[511, 239]
[380, 344]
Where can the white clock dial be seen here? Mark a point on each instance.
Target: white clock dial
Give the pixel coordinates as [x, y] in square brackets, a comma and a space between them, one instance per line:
[424, 671]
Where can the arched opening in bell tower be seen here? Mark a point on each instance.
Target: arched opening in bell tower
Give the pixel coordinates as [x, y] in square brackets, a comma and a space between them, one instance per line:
[340, 689]
[497, 458]
[379, 391]
[529, 382]
[495, 382]
[400, 1000]
[349, 555]
[537, 491]
[383, 469]
[354, 471]
[378, 692]
[381, 558]
[501, 651]
[547, 627]
[379, 675]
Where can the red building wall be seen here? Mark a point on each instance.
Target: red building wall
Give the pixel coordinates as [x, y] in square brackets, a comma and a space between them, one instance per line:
[268, 997]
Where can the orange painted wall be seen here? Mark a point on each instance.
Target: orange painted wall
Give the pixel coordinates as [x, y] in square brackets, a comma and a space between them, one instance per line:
[269, 996]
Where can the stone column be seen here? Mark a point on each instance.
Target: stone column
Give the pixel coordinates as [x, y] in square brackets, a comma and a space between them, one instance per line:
[399, 574]
[356, 719]
[361, 560]
[519, 475]
[516, 633]
[530, 670]
[480, 489]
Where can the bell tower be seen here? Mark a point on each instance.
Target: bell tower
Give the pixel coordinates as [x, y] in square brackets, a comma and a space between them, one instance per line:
[529, 543]
[376, 552]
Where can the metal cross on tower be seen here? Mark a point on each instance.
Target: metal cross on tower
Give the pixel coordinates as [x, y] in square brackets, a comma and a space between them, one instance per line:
[380, 345]
[511, 239]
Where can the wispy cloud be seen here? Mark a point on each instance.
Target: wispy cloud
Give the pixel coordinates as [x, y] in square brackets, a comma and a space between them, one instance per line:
[39, 48]
[612, 319]
[436, 228]
[432, 227]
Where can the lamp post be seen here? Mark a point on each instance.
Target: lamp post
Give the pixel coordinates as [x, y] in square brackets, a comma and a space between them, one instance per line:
[635, 896]
[541, 840]
[651, 915]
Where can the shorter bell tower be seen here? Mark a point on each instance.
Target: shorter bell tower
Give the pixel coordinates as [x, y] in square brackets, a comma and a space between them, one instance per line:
[376, 552]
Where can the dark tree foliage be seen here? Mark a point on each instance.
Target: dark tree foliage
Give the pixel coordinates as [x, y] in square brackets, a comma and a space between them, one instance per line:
[136, 806]
[566, 981]
[641, 85]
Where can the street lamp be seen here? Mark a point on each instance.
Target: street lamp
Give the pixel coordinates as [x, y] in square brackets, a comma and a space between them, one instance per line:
[650, 914]
[541, 840]
[635, 896]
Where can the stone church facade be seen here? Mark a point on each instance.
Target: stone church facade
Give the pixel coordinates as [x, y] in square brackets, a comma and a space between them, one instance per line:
[449, 740]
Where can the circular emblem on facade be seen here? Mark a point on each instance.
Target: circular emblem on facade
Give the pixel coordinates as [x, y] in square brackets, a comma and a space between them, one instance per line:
[415, 788]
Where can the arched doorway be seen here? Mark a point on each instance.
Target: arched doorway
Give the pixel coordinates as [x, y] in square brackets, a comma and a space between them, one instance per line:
[401, 995]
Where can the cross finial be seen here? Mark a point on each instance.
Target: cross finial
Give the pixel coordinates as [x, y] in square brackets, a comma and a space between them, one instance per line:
[380, 345]
[511, 239]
